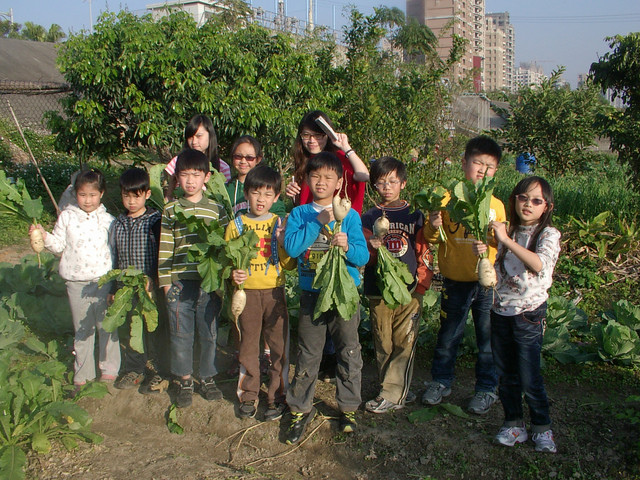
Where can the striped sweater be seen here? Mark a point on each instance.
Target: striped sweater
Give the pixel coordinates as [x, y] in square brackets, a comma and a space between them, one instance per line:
[175, 239]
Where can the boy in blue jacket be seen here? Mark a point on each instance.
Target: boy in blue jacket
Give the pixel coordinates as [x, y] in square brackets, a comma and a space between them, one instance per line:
[307, 237]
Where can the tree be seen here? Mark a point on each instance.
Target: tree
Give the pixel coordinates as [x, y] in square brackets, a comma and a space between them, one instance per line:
[556, 125]
[33, 31]
[55, 34]
[9, 29]
[389, 106]
[137, 81]
[619, 70]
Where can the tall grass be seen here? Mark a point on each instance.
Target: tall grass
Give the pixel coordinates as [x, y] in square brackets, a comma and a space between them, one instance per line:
[604, 186]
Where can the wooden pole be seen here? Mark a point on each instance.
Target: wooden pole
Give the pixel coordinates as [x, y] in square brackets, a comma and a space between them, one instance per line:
[33, 160]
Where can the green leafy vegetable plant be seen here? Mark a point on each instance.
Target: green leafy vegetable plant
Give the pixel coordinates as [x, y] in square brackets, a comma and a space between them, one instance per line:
[432, 200]
[132, 299]
[337, 290]
[16, 201]
[470, 206]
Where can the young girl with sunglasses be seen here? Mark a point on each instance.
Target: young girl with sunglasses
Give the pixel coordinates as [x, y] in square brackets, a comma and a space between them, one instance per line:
[246, 153]
[527, 254]
[311, 140]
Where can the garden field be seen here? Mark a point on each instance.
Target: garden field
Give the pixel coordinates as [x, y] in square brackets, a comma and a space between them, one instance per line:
[591, 353]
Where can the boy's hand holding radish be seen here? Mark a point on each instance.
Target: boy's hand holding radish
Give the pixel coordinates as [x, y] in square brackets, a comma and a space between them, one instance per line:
[478, 248]
[435, 219]
[239, 276]
[340, 240]
[375, 242]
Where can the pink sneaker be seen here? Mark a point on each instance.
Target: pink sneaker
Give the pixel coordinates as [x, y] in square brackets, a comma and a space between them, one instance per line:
[106, 378]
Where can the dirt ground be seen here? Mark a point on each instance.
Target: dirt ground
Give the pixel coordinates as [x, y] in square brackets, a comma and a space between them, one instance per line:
[592, 442]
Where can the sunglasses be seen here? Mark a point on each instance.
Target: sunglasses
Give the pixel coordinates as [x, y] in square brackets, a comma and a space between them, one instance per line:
[521, 197]
[248, 158]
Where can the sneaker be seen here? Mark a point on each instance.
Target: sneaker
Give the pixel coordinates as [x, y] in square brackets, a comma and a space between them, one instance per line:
[299, 422]
[247, 410]
[434, 393]
[544, 442]
[265, 363]
[156, 384]
[509, 436]
[274, 411]
[106, 378]
[348, 422]
[410, 398]
[208, 389]
[381, 405]
[481, 402]
[184, 398]
[129, 380]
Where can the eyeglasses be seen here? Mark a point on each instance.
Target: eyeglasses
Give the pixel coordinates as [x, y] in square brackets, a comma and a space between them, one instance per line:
[390, 183]
[315, 136]
[521, 197]
[248, 158]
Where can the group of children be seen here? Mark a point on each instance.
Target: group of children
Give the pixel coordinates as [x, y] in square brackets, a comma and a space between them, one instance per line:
[509, 323]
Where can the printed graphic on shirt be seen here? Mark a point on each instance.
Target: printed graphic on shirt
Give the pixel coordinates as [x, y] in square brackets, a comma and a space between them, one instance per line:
[314, 254]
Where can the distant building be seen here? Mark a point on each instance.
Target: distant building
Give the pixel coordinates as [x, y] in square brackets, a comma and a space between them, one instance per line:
[461, 17]
[530, 74]
[200, 10]
[499, 53]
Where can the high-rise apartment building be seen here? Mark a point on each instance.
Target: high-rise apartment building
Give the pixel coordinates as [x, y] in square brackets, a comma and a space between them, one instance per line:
[461, 17]
[530, 74]
[499, 69]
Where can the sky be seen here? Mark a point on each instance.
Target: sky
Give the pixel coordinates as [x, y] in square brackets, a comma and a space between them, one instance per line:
[552, 32]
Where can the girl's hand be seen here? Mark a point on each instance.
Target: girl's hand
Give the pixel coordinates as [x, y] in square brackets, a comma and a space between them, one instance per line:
[499, 231]
[478, 248]
[292, 189]
[342, 142]
[341, 240]
[435, 219]
[375, 242]
[33, 227]
[239, 276]
[325, 217]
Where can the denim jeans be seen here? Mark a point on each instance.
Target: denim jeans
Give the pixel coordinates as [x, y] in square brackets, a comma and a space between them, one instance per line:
[457, 299]
[517, 343]
[190, 307]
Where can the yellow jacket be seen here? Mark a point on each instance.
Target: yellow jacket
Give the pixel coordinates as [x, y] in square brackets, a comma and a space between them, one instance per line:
[455, 258]
[263, 274]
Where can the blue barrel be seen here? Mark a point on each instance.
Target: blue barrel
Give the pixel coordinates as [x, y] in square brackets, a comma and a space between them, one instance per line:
[524, 162]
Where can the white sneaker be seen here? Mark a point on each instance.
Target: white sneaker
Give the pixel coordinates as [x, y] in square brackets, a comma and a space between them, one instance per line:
[544, 442]
[509, 436]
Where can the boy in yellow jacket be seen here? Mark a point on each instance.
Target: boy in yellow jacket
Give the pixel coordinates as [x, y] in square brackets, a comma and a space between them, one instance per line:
[461, 291]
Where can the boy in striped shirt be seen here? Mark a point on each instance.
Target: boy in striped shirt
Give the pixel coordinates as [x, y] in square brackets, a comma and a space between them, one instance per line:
[189, 306]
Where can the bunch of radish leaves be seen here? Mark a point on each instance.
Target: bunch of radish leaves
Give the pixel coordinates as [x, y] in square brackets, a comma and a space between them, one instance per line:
[134, 300]
[337, 290]
[432, 200]
[392, 278]
[215, 256]
[470, 205]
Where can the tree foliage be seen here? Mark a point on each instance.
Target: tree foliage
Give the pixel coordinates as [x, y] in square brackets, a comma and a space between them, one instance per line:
[619, 70]
[31, 31]
[555, 124]
[136, 82]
